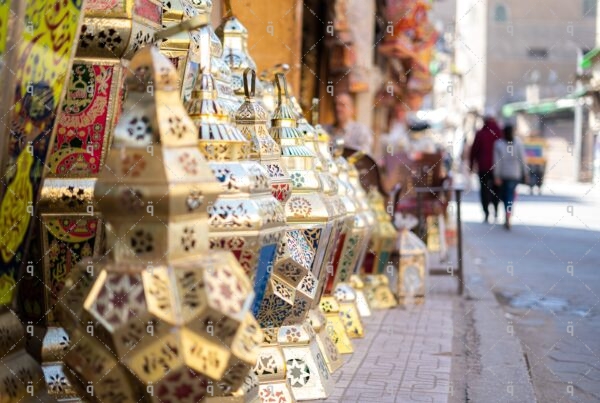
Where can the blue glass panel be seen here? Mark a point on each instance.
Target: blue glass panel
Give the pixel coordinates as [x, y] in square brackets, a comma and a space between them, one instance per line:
[382, 261]
[262, 275]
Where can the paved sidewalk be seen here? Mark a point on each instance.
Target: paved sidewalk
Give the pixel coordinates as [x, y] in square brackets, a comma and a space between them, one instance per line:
[406, 356]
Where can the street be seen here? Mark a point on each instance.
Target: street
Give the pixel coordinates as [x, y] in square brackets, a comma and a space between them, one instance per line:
[544, 273]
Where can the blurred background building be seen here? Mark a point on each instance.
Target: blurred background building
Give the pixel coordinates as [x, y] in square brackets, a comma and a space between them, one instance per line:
[521, 59]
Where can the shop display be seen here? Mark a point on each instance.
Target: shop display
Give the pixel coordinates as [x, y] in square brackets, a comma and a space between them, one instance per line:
[197, 237]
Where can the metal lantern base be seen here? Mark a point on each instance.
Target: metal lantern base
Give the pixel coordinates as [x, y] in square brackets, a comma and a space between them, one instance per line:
[378, 291]
[362, 303]
[247, 393]
[336, 331]
[346, 297]
[333, 358]
[273, 385]
[306, 368]
[56, 343]
[20, 374]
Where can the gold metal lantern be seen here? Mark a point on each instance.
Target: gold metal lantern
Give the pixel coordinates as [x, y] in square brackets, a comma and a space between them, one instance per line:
[234, 36]
[379, 255]
[162, 317]
[271, 367]
[220, 69]
[412, 269]
[309, 217]
[371, 219]
[352, 250]
[327, 304]
[182, 49]
[246, 219]
[70, 228]
[341, 223]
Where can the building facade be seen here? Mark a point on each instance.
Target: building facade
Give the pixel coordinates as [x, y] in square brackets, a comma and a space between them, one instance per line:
[514, 50]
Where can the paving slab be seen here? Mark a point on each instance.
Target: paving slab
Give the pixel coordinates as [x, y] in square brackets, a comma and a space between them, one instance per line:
[405, 356]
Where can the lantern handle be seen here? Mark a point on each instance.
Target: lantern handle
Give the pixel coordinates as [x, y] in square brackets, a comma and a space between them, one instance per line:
[187, 25]
[249, 88]
[228, 8]
[338, 148]
[315, 111]
[281, 83]
[353, 159]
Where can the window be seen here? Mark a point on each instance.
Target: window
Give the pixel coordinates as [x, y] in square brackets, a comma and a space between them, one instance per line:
[500, 13]
[589, 8]
[538, 53]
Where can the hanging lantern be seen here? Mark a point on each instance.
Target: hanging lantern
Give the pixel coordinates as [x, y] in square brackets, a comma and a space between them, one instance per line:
[162, 314]
[379, 256]
[70, 227]
[309, 218]
[412, 269]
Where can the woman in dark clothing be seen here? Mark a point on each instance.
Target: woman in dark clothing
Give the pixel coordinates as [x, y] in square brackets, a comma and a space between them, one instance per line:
[509, 169]
[482, 155]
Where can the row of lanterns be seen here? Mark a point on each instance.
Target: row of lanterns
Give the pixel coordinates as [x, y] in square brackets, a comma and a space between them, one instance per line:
[221, 253]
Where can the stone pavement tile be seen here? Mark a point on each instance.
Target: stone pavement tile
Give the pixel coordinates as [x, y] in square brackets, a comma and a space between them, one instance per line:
[419, 396]
[423, 381]
[405, 356]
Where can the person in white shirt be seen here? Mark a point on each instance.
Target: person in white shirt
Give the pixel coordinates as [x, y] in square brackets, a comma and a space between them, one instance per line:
[355, 134]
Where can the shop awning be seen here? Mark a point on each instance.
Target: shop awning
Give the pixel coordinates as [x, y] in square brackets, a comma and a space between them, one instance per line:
[544, 106]
[588, 58]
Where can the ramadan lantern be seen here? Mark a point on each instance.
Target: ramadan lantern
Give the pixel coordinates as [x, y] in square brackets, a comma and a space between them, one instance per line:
[379, 255]
[162, 317]
[352, 251]
[340, 228]
[36, 56]
[246, 219]
[251, 120]
[412, 268]
[327, 304]
[369, 214]
[309, 218]
[234, 36]
[71, 229]
[182, 49]
[220, 69]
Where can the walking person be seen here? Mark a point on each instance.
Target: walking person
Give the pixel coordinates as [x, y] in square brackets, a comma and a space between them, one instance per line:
[510, 169]
[482, 154]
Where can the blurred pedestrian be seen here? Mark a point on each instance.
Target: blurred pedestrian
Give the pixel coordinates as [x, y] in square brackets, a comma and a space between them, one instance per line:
[510, 169]
[482, 154]
[356, 135]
